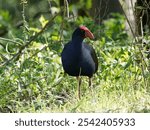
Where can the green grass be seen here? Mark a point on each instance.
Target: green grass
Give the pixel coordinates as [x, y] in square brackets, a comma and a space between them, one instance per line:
[106, 96]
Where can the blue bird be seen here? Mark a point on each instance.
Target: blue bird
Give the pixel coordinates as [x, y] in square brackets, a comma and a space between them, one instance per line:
[79, 58]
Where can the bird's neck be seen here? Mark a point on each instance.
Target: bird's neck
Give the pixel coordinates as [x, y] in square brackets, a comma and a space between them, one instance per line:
[77, 42]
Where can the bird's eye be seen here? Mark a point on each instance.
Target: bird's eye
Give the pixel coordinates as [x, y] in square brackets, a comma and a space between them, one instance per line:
[83, 32]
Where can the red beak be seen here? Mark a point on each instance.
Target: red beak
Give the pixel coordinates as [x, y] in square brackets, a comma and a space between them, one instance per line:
[89, 34]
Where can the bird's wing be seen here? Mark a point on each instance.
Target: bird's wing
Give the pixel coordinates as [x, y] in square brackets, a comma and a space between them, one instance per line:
[65, 47]
[93, 54]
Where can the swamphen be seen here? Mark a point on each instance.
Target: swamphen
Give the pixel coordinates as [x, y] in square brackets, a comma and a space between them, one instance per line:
[79, 58]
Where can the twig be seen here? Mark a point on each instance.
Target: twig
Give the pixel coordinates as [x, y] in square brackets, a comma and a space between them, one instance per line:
[67, 7]
[3, 57]
[66, 10]
[9, 40]
[39, 51]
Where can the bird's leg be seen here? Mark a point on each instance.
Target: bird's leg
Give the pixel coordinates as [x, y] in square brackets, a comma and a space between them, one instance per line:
[90, 86]
[79, 84]
[79, 87]
[90, 83]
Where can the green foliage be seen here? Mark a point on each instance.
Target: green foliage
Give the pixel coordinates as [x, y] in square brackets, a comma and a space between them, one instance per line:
[114, 29]
[35, 82]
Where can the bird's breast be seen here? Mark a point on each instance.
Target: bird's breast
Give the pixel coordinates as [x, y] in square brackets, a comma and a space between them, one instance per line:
[78, 61]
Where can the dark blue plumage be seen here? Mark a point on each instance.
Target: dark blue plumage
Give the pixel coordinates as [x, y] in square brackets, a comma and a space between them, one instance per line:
[78, 57]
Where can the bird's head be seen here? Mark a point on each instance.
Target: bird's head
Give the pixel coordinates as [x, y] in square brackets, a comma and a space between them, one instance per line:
[83, 32]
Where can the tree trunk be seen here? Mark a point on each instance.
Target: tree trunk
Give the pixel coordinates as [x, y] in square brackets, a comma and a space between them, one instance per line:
[128, 7]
